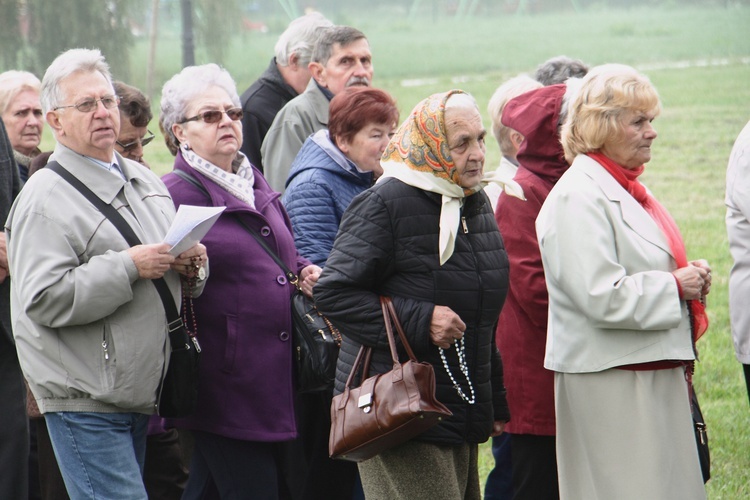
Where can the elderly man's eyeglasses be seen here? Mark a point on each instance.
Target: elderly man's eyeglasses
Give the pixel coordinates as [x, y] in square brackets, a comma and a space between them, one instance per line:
[214, 116]
[126, 148]
[89, 104]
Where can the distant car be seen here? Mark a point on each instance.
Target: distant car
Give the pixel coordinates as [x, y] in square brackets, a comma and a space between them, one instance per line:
[249, 25]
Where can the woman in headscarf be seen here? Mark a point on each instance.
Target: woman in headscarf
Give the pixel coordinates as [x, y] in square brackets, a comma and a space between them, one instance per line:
[425, 235]
[624, 305]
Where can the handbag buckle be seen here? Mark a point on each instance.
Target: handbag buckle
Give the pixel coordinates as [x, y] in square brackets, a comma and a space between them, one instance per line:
[700, 427]
[365, 402]
[174, 325]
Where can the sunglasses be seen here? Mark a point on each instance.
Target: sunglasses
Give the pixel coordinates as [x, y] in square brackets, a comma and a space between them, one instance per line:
[214, 116]
[132, 145]
[89, 104]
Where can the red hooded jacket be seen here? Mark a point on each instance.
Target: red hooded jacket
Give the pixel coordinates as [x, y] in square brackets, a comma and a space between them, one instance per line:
[522, 328]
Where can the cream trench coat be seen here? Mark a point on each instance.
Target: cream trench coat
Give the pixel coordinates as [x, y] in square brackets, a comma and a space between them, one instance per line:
[612, 298]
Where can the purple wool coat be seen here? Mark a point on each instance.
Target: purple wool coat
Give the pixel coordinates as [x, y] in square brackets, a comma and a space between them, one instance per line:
[246, 389]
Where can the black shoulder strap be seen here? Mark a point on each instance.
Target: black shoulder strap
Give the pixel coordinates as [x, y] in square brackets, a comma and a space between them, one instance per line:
[192, 180]
[173, 316]
[291, 276]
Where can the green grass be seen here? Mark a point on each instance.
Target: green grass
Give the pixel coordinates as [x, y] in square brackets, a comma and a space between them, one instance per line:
[705, 107]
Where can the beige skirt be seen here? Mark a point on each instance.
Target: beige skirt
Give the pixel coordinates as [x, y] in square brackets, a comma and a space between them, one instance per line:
[625, 435]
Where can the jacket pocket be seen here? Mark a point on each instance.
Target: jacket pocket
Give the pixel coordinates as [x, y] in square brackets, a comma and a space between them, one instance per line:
[230, 347]
[108, 360]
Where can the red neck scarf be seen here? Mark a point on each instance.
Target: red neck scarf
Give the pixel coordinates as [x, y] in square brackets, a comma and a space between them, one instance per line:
[628, 179]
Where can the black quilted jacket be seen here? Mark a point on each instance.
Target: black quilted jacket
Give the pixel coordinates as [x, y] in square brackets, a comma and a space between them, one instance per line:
[388, 244]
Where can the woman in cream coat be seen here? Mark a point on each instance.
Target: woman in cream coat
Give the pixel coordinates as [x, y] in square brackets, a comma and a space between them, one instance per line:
[620, 335]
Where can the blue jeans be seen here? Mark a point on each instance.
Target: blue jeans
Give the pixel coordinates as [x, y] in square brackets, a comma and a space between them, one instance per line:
[101, 455]
[499, 484]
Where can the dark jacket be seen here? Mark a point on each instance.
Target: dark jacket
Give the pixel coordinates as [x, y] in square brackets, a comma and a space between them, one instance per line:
[522, 328]
[260, 103]
[388, 244]
[245, 390]
[10, 185]
[322, 183]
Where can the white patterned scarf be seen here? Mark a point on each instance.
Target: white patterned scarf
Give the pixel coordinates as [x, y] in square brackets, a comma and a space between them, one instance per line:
[238, 183]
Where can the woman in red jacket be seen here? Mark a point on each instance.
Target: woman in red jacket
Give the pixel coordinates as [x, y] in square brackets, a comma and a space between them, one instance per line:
[522, 327]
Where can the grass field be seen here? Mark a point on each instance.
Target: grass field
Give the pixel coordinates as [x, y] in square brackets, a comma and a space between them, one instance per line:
[706, 104]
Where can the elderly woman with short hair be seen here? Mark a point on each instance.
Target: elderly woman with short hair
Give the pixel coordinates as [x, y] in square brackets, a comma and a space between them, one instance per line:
[425, 235]
[624, 305]
[21, 112]
[246, 406]
[335, 165]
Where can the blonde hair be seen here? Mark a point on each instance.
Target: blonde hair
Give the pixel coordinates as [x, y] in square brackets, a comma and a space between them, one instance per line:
[13, 83]
[607, 94]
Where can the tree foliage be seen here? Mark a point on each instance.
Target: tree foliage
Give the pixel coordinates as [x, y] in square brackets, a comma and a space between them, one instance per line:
[10, 33]
[62, 25]
[216, 23]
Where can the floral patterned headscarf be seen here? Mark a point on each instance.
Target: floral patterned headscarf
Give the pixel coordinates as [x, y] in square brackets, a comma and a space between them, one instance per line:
[418, 155]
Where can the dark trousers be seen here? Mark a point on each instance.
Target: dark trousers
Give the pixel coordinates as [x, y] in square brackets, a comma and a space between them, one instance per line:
[232, 469]
[164, 474]
[499, 484]
[325, 479]
[534, 467]
[34, 491]
[51, 482]
[14, 425]
[746, 368]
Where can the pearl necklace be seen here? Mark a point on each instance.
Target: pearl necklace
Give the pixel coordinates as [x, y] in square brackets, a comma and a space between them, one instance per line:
[461, 351]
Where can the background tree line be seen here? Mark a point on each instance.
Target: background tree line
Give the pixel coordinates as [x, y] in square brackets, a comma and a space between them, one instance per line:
[34, 32]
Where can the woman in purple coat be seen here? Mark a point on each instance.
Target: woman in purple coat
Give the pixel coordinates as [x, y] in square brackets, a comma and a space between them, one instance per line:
[246, 407]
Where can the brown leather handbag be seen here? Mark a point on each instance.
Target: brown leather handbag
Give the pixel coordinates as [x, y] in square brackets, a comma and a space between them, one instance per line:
[386, 409]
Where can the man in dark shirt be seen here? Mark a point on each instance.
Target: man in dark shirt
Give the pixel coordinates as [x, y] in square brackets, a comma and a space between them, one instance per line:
[286, 77]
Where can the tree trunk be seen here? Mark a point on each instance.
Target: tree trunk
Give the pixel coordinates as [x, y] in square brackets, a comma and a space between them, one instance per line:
[188, 40]
[152, 48]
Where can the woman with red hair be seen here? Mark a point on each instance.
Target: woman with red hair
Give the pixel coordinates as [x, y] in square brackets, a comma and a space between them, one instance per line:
[337, 164]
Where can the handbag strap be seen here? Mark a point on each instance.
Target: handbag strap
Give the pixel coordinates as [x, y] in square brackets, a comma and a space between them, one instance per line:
[290, 275]
[173, 316]
[389, 313]
[365, 353]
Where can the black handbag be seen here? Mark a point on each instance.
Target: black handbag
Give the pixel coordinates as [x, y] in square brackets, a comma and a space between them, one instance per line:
[701, 436]
[178, 394]
[316, 345]
[316, 341]
[699, 424]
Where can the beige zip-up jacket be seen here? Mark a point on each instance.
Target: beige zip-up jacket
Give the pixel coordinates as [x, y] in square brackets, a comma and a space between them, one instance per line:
[91, 336]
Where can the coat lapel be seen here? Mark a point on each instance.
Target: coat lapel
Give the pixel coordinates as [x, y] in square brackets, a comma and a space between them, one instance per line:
[633, 214]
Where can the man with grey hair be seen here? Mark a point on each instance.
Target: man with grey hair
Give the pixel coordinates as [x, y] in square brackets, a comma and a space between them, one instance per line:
[341, 59]
[508, 139]
[559, 69]
[89, 326]
[285, 78]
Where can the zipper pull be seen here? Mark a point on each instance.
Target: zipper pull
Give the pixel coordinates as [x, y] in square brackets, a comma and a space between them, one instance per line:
[465, 226]
[106, 352]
